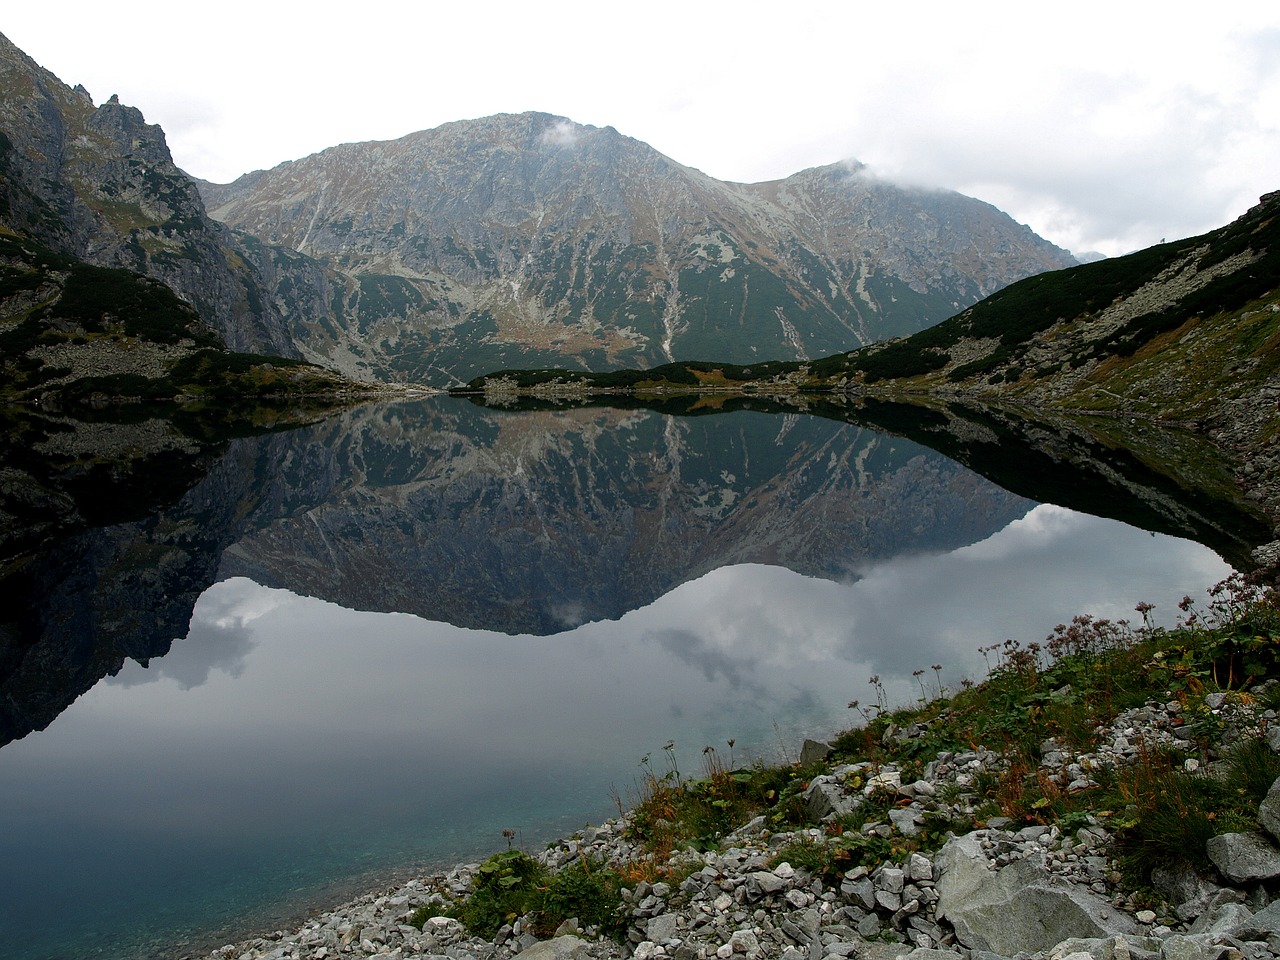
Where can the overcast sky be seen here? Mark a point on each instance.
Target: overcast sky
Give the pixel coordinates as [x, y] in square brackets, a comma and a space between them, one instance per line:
[1104, 126]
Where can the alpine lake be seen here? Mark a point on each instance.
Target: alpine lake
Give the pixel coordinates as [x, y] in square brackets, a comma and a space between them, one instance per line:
[250, 672]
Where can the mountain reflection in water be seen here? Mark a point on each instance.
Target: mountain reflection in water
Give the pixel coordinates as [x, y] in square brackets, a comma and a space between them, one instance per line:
[547, 597]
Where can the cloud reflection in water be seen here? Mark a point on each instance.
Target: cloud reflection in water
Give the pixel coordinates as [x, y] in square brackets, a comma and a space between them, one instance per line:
[286, 739]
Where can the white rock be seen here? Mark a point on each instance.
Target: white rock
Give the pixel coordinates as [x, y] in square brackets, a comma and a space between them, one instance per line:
[744, 941]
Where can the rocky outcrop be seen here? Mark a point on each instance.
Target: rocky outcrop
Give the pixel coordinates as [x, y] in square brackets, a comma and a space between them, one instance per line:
[97, 183]
[529, 240]
[1244, 858]
[1018, 907]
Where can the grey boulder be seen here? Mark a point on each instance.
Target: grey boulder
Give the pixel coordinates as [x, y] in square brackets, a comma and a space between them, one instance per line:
[558, 948]
[825, 798]
[1244, 857]
[1019, 907]
[1269, 811]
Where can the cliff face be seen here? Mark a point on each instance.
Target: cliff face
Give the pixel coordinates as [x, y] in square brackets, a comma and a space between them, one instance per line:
[98, 184]
[529, 240]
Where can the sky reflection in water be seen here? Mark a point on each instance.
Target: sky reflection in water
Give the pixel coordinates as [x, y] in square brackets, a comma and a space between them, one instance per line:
[287, 741]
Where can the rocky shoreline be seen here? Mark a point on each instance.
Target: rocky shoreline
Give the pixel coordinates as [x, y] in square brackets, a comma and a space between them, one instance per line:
[1031, 892]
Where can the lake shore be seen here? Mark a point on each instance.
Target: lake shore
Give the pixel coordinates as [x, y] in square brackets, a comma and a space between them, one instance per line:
[1007, 887]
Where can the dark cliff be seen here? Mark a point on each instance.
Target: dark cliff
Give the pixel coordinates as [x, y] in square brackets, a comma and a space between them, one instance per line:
[98, 184]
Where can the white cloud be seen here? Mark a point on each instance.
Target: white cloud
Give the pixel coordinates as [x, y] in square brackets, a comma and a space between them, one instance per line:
[562, 133]
[1102, 126]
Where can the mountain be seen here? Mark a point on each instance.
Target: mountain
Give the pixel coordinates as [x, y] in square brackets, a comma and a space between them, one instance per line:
[510, 240]
[97, 565]
[1142, 473]
[521, 240]
[1184, 334]
[1168, 331]
[113, 280]
[97, 183]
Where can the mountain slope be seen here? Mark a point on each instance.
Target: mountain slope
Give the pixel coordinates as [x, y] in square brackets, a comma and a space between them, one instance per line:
[113, 280]
[72, 331]
[98, 184]
[521, 240]
[1164, 330]
[1186, 331]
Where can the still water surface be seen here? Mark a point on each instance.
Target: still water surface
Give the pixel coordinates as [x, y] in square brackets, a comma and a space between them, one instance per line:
[289, 749]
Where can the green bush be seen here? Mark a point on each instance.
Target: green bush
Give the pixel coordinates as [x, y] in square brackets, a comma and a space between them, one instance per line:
[590, 894]
[1251, 768]
[503, 889]
[1171, 817]
[512, 884]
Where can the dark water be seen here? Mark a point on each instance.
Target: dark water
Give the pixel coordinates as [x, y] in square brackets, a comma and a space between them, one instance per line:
[413, 627]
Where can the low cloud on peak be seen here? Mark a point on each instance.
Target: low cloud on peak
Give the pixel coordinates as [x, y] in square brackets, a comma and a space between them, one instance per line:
[562, 133]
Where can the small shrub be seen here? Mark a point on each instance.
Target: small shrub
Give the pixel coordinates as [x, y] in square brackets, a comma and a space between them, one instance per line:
[1171, 817]
[591, 894]
[809, 855]
[674, 811]
[512, 884]
[830, 860]
[503, 890]
[1251, 768]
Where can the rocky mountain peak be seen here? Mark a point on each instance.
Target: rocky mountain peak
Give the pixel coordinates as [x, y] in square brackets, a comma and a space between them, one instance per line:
[529, 239]
[99, 184]
[512, 240]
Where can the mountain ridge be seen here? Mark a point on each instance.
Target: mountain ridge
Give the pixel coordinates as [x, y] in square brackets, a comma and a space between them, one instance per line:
[114, 283]
[528, 236]
[1185, 333]
[98, 183]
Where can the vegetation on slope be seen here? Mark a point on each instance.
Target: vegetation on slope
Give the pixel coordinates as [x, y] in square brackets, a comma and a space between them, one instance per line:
[680, 376]
[1219, 664]
[1072, 334]
[1169, 331]
[70, 331]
